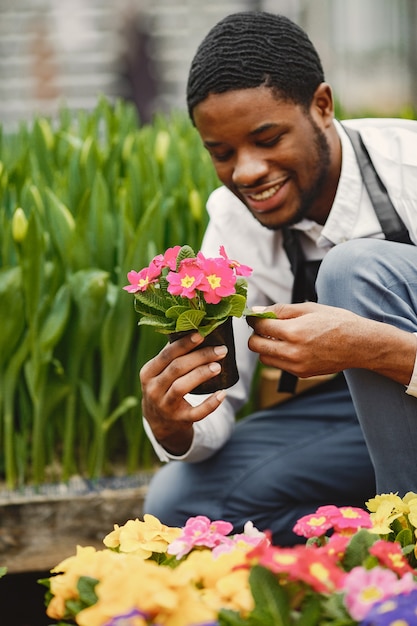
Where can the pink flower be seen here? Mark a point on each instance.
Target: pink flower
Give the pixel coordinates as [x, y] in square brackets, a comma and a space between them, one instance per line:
[319, 570]
[200, 531]
[365, 587]
[312, 525]
[240, 270]
[336, 546]
[168, 259]
[219, 279]
[390, 555]
[345, 519]
[185, 282]
[140, 281]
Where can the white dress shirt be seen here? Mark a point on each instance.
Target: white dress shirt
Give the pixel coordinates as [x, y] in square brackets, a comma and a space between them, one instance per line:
[392, 146]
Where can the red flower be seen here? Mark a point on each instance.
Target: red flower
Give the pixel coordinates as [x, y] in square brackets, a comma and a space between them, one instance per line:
[390, 555]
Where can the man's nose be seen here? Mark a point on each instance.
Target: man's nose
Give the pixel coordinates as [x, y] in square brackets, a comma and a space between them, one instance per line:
[248, 169]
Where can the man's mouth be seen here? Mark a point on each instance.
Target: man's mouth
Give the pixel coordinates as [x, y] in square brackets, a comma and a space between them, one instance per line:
[266, 193]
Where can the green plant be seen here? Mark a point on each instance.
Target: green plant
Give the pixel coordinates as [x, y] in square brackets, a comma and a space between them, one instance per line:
[83, 199]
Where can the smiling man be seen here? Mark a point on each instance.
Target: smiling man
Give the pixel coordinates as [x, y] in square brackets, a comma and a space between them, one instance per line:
[294, 178]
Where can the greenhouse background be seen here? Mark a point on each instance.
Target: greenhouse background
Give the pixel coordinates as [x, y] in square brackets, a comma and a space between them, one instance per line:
[71, 50]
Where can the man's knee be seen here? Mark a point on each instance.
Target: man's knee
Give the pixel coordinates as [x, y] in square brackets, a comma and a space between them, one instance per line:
[346, 267]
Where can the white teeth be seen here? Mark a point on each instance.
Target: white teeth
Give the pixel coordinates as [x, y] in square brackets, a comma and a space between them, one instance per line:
[264, 195]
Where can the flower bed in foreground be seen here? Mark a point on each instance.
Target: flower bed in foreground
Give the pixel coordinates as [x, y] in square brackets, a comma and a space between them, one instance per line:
[356, 567]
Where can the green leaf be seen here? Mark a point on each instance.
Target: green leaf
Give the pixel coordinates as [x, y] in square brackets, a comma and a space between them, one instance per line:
[358, 548]
[151, 299]
[186, 252]
[405, 537]
[116, 330]
[271, 602]
[189, 320]
[159, 323]
[126, 404]
[227, 617]
[175, 311]
[311, 611]
[238, 304]
[12, 313]
[266, 314]
[61, 224]
[54, 325]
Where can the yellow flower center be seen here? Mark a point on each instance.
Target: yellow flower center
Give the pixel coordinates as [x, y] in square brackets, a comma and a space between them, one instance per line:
[371, 594]
[284, 559]
[214, 281]
[319, 571]
[396, 560]
[316, 521]
[350, 514]
[187, 281]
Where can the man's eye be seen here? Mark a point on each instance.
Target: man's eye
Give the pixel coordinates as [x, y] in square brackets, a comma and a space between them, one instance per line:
[270, 143]
[220, 156]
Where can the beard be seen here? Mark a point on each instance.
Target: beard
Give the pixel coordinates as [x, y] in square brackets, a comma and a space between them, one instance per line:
[309, 196]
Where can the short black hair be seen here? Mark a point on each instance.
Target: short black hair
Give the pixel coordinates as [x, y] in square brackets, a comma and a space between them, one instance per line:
[253, 48]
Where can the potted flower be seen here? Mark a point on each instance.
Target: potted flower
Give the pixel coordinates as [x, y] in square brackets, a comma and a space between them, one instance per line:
[181, 291]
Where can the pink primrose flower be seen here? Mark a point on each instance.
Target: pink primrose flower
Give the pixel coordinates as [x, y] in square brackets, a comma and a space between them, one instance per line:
[363, 588]
[313, 525]
[278, 560]
[169, 258]
[345, 519]
[140, 281]
[319, 570]
[185, 282]
[336, 546]
[219, 279]
[390, 555]
[241, 270]
[200, 531]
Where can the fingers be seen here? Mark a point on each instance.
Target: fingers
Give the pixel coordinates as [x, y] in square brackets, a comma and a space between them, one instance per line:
[171, 351]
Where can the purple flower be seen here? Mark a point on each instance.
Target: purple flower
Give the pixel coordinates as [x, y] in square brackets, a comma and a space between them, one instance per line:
[126, 618]
[399, 609]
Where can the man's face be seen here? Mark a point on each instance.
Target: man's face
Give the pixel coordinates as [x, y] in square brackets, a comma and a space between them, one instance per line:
[271, 153]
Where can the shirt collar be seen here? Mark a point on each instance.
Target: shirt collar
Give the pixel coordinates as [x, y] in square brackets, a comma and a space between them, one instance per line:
[345, 210]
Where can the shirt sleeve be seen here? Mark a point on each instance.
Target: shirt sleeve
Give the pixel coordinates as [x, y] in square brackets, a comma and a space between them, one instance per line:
[412, 385]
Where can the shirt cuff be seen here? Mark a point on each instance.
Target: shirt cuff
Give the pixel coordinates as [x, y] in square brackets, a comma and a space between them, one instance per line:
[412, 385]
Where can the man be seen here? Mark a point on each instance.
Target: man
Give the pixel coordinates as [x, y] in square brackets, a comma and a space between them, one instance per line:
[257, 96]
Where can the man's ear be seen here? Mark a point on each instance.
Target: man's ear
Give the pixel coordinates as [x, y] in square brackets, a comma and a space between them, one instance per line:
[322, 108]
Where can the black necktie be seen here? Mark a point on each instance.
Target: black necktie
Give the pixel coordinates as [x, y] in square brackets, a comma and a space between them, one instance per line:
[305, 274]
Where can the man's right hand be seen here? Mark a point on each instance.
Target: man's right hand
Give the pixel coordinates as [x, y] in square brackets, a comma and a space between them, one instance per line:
[167, 378]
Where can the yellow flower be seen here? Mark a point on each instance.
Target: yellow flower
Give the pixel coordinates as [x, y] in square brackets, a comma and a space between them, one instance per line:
[412, 515]
[397, 504]
[141, 538]
[158, 591]
[222, 579]
[86, 562]
[386, 508]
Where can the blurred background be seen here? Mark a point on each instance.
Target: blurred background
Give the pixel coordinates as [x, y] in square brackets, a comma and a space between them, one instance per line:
[55, 52]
